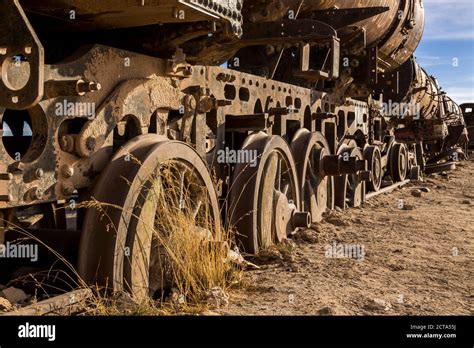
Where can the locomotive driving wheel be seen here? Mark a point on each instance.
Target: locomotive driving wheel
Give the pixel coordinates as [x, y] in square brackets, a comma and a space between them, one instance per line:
[264, 195]
[374, 159]
[349, 188]
[398, 162]
[317, 190]
[150, 186]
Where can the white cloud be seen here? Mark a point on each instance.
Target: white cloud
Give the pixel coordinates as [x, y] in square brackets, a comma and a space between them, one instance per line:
[461, 94]
[449, 20]
[427, 61]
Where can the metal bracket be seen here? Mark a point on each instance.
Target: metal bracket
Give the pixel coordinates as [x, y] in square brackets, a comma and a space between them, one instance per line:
[331, 73]
[343, 17]
[21, 59]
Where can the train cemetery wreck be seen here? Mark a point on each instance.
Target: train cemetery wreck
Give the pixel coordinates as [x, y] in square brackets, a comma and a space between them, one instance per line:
[243, 121]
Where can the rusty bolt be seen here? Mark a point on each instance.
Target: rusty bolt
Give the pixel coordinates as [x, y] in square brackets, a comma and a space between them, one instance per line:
[39, 173]
[34, 194]
[206, 104]
[95, 86]
[67, 143]
[83, 87]
[67, 170]
[90, 143]
[354, 63]
[269, 49]
[38, 193]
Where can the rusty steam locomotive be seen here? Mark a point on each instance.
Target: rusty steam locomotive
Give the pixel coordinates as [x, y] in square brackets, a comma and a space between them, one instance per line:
[313, 102]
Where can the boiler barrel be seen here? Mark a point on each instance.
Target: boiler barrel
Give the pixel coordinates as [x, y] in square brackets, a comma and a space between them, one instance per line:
[412, 86]
[396, 32]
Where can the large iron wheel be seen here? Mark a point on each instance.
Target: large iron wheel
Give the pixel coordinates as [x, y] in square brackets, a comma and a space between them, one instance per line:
[120, 245]
[398, 162]
[317, 190]
[264, 196]
[374, 159]
[349, 188]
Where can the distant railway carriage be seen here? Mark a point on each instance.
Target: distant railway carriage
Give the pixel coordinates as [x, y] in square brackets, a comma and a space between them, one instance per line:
[467, 110]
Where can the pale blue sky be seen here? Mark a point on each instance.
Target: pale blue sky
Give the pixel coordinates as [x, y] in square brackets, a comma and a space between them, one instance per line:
[449, 39]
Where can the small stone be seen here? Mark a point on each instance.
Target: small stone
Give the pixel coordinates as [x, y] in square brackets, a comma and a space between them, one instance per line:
[5, 305]
[408, 207]
[326, 311]
[424, 189]
[378, 305]
[216, 297]
[294, 268]
[466, 201]
[416, 193]
[14, 295]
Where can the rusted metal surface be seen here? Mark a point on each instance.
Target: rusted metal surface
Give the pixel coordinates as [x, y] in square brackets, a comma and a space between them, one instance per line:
[423, 92]
[130, 209]
[396, 31]
[467, 110]
[21, 59]
[316, 187]
[88, 16]
[297, 91]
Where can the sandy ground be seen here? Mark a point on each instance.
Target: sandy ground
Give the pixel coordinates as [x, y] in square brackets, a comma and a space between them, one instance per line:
[415, 258]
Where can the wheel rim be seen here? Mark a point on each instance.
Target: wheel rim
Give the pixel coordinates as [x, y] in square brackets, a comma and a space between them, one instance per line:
[373, 156]
[356, 187]
[264, 198]
[119, 252]
[349, 188]
[316, 189]
[399, 162]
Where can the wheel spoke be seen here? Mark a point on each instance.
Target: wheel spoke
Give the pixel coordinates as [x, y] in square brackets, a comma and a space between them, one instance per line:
[279, 174]
[285, 189]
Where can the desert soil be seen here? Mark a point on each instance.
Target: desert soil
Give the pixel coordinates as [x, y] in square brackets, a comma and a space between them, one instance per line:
[417, 258]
